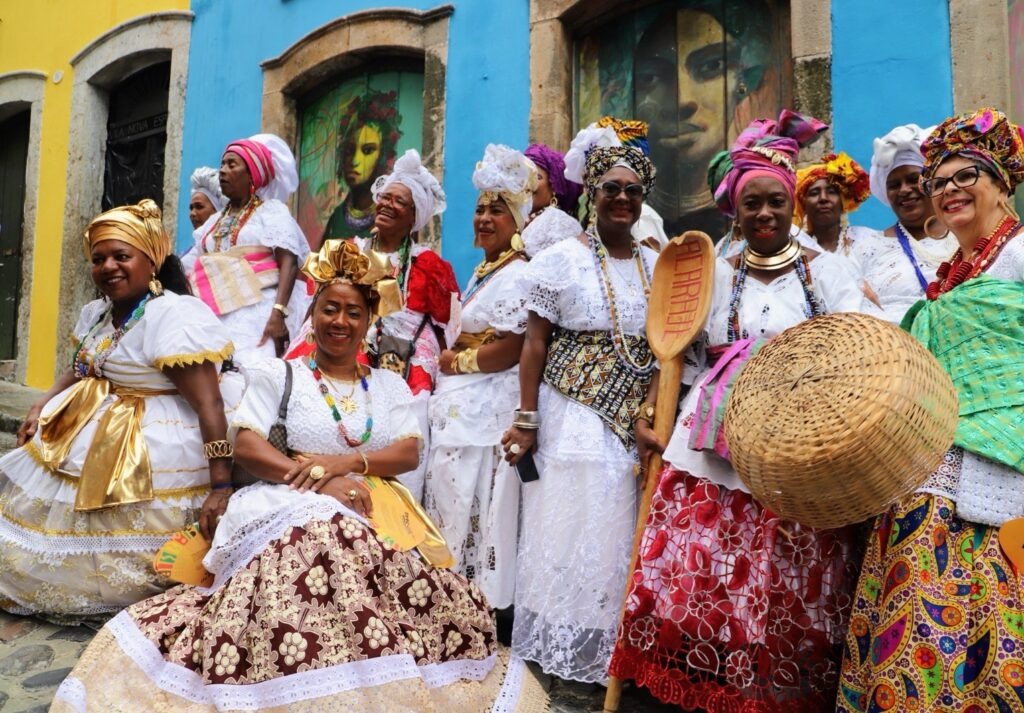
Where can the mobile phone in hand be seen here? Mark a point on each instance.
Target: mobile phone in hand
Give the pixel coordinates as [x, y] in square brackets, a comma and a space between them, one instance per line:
[527, 469]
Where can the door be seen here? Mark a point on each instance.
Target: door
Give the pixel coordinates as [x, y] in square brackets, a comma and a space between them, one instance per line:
[13, 155]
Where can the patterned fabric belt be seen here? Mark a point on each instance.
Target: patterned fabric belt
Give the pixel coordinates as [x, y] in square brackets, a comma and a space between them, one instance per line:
[230, 280]
[583, 366]
[116, 470]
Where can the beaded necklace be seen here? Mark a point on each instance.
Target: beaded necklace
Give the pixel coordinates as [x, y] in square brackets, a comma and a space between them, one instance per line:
[82, 366]
[903, 236]
[957, 270]
[227, 226]
[329, 400]
[600, 253]
[803, 273]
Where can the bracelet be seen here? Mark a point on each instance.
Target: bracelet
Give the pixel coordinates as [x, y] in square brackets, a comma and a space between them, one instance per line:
[281, 308]
[466, 362]
[531, 419]
[222, 486]
[644, 412]
[366, 463]
[217, 449]
[525, 426]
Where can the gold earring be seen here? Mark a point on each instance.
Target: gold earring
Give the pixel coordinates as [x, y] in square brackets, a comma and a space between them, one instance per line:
[310, 339]
[927, 230]
[1010, 210]
[155, 287]
[516, 243]
[554, 201]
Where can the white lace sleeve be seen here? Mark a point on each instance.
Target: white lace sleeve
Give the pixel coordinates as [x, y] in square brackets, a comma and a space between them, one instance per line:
[552, 226]
[262, 399]
[273, 226]
[87, 318]
[546, 280]
[1009, 265]
[504, 300]
[181, 330]
[402, 421]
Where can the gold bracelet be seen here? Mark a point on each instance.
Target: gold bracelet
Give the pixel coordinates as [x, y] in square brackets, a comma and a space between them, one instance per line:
[366, 463]
[467, 362]
[218, 449]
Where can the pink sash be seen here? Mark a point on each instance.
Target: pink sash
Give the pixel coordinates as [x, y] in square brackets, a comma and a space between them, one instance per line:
[233, 279]
[707, 432]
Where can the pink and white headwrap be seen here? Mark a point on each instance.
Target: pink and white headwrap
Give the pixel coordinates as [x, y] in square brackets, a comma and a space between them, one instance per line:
[271, 165]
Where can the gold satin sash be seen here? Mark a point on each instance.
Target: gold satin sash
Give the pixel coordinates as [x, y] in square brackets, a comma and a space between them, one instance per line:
[475, 340]
[116, 469]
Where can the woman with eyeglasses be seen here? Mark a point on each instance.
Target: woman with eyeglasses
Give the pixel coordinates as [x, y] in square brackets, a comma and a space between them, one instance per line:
[937, 615]
[585, 369]
[898, 263]
[732, 608]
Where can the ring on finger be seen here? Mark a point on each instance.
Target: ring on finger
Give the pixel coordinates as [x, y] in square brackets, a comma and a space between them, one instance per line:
[317, 472]
[514, 449]
[352, 494]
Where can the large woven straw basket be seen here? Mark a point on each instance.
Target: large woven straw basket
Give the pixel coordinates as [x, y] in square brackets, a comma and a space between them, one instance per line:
[837, 418]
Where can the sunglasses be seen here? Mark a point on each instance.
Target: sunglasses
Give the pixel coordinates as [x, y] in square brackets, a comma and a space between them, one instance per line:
[633, 190]
[964, 178]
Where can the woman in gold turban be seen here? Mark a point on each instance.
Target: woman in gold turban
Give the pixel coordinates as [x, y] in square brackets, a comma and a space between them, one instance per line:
[317, 600]
[128, 446]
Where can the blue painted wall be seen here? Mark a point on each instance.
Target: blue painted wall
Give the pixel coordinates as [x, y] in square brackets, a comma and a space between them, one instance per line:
[891, 65]
[487, 92]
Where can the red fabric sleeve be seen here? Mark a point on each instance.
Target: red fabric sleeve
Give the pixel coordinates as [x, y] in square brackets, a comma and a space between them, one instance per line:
[419, 380]
[431, 284]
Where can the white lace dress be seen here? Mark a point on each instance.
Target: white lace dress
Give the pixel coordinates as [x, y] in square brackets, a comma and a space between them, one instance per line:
[471, 493]
[887, 270]
[552, 226]
[56, 561]
[765, 310]
[578, 519]
[272, 226]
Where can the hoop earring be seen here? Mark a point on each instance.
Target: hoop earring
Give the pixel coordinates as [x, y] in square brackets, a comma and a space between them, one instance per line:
[1010, 210]
[554, 201]
[927, 230]
[155, 287]
[310, 339]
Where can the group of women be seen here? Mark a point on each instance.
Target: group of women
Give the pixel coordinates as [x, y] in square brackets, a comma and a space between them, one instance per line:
[513, 422]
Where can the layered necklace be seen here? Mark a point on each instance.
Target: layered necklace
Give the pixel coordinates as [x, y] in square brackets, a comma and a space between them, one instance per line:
[486, 270]
[782, 259]
[348, 404]
[228, 224]
[957, 270]
[83, 366]
[637, 367]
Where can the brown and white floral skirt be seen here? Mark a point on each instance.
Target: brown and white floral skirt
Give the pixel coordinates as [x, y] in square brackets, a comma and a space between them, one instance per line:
[325, 617]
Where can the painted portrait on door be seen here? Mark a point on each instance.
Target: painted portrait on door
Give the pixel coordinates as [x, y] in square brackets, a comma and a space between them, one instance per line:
[696, 71]
[350, 135]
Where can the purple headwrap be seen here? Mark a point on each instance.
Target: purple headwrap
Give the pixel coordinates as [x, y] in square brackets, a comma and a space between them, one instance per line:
[553, 163]
[770, 147]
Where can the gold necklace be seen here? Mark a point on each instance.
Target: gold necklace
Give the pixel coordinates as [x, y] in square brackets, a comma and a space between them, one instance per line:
[783, 258]
[346, 403]
[485, 268]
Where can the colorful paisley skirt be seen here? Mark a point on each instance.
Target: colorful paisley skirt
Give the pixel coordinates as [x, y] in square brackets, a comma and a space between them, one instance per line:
[938, 618]
[733, 609]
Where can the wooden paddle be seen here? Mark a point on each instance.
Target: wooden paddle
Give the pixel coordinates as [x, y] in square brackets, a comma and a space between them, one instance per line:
[680, 302]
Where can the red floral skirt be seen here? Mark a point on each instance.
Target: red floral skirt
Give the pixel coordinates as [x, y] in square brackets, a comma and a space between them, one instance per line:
[733, 608]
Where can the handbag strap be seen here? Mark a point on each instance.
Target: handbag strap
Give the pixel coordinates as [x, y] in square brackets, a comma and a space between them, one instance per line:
[282, 410]
[412, 347]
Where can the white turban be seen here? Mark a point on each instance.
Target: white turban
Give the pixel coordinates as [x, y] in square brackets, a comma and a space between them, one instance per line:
[427, 194]
[509, 174]
[591, 137]
[206, 180]
[286, 177]
[900, 147]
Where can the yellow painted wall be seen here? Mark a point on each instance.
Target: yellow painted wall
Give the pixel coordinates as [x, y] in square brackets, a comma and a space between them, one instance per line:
[44, 35]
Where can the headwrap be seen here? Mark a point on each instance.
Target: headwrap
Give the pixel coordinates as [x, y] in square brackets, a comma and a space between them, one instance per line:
[138, 225]
[900, 147]
[507, 174]
[842, 172]
[205, 180]
[553, 163]
[986, 136]
[609, 133]
[342, 261]
[765, 148]
[271, 165]
[427, 194]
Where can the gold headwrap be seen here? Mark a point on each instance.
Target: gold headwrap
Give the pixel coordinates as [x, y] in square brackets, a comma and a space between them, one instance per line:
[342, 261]
[138, 225]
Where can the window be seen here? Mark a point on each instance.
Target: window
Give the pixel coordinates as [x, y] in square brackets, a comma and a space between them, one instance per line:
[697, 71]
[350, 133]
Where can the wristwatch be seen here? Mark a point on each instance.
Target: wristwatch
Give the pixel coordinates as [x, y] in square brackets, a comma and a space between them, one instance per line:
[282, 309]
[645, 412]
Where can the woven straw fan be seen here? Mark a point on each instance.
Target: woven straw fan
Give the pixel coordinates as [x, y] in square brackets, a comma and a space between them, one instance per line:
[680, 301]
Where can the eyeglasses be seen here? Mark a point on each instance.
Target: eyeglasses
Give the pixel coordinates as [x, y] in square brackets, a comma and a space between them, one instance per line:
[633, 190]
[964, 178]
[392, 199]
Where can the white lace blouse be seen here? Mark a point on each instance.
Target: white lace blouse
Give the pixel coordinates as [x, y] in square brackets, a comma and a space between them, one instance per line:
[553, 225]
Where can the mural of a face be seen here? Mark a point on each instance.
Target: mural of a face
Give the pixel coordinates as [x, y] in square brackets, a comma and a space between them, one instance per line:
[362, 155]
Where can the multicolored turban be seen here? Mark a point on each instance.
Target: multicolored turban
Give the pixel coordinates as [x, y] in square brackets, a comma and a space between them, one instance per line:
[507, 174]
[553, 163]
[842, 172]
[765, 148]
[271, 165]
[609, 142]
[900, 147]
[138, 225]
[985, 136]
[342, 261]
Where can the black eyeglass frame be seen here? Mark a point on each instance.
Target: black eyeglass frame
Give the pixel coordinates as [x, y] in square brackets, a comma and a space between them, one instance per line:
[935, 186]
[613, 189]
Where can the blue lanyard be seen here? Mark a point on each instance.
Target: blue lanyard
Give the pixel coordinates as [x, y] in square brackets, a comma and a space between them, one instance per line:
[909, 252]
